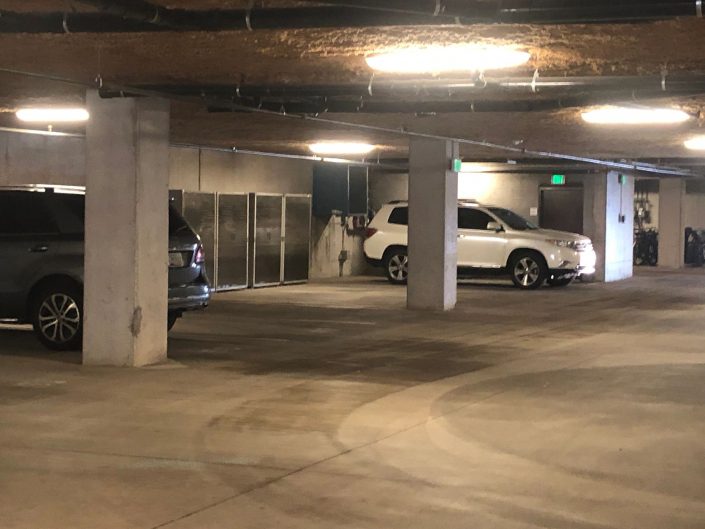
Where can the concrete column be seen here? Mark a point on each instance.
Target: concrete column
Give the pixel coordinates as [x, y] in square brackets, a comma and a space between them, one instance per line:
[671, 223]
[433, 225]
[619, 227]
[126, 256]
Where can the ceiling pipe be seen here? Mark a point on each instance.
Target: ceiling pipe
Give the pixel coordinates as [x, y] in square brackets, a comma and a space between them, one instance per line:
[136, 10]
[527, 11]
[141, 16]
[420, 108]
[666, 84]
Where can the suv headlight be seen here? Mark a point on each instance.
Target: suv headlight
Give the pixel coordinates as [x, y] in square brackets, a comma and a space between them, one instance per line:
[561, 243]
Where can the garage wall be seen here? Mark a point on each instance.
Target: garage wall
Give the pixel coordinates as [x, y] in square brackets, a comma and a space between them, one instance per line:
[30, 159]
[34, 159]
[695, 211]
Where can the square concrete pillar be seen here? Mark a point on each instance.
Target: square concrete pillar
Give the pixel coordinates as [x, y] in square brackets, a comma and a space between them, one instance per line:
[612, 226]
[126, 254]
[433, 225]
[671, 223]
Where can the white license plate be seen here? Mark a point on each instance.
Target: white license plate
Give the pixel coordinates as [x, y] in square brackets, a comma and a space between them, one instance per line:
[176, 260]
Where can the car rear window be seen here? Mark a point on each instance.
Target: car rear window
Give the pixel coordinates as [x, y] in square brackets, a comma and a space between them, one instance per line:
[399, 216]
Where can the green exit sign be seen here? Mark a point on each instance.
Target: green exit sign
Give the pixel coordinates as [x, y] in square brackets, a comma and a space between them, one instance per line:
[558, 179]
[456, 165]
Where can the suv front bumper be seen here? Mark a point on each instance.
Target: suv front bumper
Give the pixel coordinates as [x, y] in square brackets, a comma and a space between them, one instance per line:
[572, 263]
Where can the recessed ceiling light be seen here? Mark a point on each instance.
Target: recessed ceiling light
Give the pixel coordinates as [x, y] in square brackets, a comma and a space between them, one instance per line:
[454, 58]
[52, 115]
[696, 144]
[327, 148]
[634, 116]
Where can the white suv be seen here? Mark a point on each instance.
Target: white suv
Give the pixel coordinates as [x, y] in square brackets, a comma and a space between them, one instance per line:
[491, 241]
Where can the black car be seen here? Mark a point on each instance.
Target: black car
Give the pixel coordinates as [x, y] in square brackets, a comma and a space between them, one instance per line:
[41, 263]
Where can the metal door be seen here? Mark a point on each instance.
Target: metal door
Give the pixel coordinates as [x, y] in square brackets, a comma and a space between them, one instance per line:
[200, 212]
[232, 241]
[297, 237]
[561, 208]
[267, 248]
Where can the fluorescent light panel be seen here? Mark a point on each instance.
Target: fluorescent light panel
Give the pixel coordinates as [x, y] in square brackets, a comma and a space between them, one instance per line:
[441, 59]
[696, 144]
[52, 115]
[614, 115]
[330, 148]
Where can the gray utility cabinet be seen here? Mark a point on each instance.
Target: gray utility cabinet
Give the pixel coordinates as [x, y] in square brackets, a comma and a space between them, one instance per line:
[280, 239]
[250, 240]
[339, 190]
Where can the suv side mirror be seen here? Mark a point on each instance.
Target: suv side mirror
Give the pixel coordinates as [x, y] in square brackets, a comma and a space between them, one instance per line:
[494, 226]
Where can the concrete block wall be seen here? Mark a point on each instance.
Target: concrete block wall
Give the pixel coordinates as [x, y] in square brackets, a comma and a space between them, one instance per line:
[34, 159]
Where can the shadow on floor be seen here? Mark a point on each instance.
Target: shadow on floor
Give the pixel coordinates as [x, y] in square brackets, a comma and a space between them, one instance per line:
[22, 343]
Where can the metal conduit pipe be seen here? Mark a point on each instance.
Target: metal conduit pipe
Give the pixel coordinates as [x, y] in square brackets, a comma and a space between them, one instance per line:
[136, 10]
[323, 106]
[667, 84]
[140, 16]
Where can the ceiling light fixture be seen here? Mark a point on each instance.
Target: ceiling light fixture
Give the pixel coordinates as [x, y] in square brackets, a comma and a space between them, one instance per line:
[52, 115]
[696, 144]
[442, 59]
[612, 115]
[474, 168]
[328, 148]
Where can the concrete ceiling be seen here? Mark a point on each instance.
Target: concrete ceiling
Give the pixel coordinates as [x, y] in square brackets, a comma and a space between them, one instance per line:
[325, 56]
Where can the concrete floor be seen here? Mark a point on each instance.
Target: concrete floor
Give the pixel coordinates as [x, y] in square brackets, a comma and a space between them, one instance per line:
[330, 406]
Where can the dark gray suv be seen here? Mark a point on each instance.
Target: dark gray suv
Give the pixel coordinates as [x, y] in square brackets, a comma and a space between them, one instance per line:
[41, 263]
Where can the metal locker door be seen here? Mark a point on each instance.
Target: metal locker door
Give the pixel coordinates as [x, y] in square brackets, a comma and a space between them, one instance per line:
[199, 211]
[297, 237]
[267, 247]
[232, 241]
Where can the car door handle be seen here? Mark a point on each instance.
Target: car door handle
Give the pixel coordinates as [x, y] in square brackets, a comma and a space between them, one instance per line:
[39, 248]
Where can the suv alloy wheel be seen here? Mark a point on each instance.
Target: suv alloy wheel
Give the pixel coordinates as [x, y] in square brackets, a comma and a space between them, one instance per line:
[397, 266]
[528, 270]
[57, 316]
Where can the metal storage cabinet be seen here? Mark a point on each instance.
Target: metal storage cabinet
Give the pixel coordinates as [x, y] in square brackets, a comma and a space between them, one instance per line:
[232, 241]
[297, 238]
[267, 239]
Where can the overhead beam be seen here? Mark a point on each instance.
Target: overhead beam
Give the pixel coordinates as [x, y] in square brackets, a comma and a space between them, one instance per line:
[141, 16]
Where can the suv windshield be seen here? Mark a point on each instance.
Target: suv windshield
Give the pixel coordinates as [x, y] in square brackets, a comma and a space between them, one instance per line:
[514, 221]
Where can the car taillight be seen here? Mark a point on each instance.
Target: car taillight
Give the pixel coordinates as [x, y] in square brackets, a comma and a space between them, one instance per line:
[369, 232]
[200, 255]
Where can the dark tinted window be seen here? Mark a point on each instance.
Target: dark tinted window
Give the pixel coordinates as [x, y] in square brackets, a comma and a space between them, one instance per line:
[514, 221]
[473, 219]
[399, 216]
[70, 212]
[25, 213]
[176, 221]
